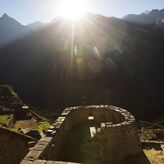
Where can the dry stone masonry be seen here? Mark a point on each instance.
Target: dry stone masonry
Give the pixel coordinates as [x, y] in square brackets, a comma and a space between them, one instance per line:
[117, 130]
[13, 146]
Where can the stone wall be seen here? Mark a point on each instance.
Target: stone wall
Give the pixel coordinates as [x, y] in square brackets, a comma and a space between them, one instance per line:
[121, 137]
[120, 140]
[13, 146]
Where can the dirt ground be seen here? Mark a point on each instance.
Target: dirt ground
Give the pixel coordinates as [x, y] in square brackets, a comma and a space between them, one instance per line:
[26, 124]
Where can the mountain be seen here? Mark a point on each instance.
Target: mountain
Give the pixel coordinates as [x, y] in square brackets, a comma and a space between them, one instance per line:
[146, 18]
[10, 30]
[36, 26]
[98, 60]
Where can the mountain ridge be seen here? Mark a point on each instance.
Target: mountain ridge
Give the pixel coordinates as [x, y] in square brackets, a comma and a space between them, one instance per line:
[150, 17]
[11, 29]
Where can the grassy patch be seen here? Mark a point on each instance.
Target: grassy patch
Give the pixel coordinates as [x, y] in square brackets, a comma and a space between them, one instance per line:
[43, 125]
[155, 156]
[5, 119]
[14, 130]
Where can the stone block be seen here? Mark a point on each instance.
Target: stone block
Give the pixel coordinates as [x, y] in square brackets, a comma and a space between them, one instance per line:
[40, 162]
[39, 147]
[46, 139]
[33, 155]
[26, 162]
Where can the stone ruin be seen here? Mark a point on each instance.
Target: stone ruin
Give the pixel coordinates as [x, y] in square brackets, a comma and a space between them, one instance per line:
[117, 129]
[14, 146]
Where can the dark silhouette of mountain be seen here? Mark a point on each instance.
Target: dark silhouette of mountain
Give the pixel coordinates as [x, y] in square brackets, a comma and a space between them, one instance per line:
[146, 18]
[10, 30]
[98, 60]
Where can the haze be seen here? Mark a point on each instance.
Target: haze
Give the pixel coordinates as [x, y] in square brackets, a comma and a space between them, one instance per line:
[46, 10]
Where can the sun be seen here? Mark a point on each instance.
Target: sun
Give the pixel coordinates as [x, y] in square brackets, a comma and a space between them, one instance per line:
[73, 9]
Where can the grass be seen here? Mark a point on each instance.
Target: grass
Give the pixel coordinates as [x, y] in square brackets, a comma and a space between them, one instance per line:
[14, 130]
[155, 156]
[44, 125]
[5, 119]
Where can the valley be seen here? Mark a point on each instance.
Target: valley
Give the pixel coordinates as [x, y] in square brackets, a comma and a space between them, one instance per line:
[65, 85]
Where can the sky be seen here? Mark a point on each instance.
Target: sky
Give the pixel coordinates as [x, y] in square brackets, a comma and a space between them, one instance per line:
[29, 11]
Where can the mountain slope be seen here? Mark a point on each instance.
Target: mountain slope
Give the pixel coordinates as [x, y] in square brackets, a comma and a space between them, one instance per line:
[36, 26]
[10, 29]
[99, 60]
[146, 18]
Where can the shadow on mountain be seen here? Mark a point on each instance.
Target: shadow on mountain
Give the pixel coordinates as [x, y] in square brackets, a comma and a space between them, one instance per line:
[99, 60]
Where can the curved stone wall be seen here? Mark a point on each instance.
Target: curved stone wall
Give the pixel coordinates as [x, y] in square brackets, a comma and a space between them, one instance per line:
[117, 130]
[121, 137]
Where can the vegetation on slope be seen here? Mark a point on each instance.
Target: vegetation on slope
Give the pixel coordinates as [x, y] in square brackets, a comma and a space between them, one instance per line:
[43, 125]
[23, 117]
[8, 96]
[5, 119]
